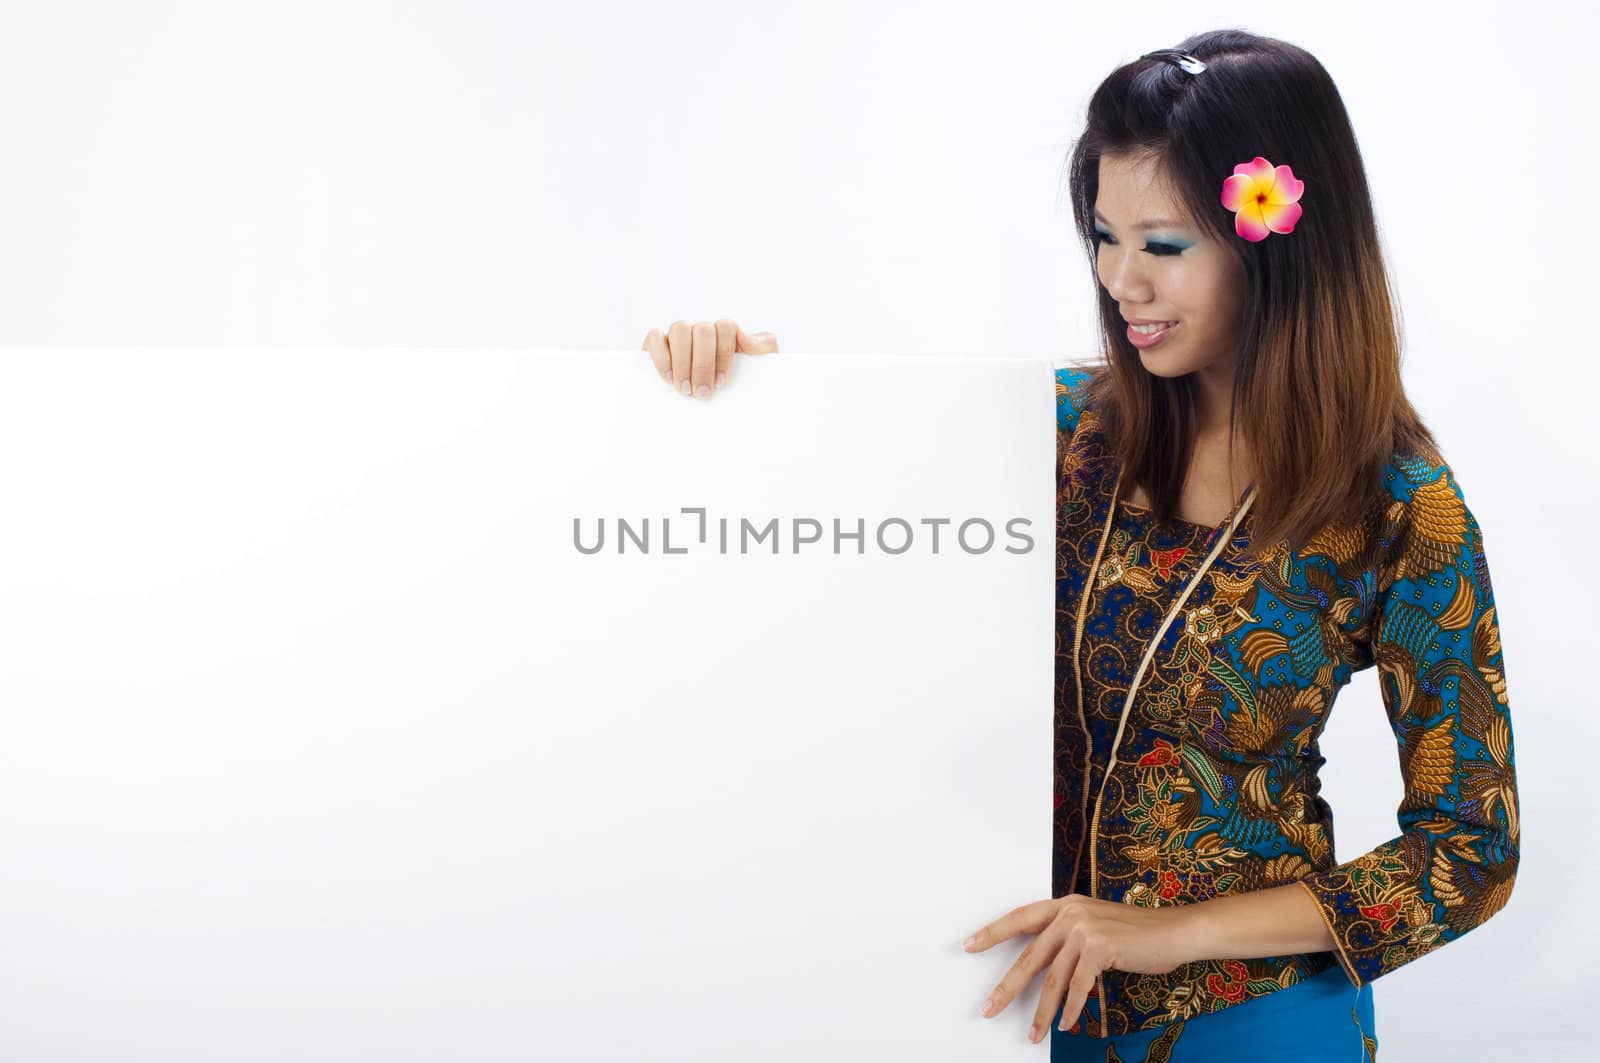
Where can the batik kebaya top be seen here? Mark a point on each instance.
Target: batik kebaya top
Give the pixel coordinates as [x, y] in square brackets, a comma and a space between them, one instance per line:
[1192, 688]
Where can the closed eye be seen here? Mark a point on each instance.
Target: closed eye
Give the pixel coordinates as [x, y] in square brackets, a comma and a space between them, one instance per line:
[1152, 247]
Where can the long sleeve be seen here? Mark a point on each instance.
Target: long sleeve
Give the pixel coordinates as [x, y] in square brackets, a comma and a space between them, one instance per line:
[1436, 644]
[1069, 401]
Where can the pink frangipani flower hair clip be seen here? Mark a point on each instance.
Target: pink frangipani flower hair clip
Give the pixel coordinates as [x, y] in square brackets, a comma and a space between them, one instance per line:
[1264, 199]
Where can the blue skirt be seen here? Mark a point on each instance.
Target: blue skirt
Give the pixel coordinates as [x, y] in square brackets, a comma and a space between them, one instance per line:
[1321, 1018]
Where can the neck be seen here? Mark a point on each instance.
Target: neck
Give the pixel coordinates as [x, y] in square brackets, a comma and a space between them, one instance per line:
[1213, 400]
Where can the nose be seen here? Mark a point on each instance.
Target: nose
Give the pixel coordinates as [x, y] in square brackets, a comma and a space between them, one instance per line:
[1123, 277]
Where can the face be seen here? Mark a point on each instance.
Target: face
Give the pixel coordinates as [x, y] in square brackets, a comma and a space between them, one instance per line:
[1169, 271]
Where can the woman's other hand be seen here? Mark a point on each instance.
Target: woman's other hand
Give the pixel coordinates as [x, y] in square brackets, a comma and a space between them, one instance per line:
[1080, 937]
[696, 358]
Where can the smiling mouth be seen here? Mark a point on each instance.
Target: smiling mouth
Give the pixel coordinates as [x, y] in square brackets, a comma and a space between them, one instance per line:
[1143, 339]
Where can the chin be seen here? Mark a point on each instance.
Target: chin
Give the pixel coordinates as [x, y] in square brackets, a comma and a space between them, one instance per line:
[1173, 363]
[1156, 365]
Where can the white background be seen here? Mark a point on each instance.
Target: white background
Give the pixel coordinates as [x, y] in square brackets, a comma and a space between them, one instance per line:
[855, 177]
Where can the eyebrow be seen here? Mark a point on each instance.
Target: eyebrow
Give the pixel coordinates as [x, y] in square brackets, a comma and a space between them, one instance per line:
[1157, 223]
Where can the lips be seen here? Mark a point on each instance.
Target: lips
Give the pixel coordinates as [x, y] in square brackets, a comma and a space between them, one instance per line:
[1144, 342]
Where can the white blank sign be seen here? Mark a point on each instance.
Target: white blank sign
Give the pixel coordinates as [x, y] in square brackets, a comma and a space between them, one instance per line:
[324, 740]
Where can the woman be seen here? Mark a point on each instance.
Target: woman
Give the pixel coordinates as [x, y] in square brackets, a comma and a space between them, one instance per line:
[1197, 910]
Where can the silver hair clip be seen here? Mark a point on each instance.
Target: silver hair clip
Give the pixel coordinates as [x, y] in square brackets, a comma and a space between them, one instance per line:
[1184, 60]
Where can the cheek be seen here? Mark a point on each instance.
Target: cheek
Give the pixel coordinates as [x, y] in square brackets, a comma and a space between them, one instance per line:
[1184, 288]
[1203, 290]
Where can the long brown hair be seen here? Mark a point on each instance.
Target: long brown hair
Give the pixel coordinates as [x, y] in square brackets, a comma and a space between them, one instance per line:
[1317, 392]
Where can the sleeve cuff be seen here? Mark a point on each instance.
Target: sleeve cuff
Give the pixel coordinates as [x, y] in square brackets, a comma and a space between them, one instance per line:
[1338, 946]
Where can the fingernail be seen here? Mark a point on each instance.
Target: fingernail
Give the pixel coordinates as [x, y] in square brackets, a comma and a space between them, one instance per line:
[971, 941]
[988, 1007]
[702, 391]
[667, 376]
[1033, 1032]
[683, 386]
[722, 378]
